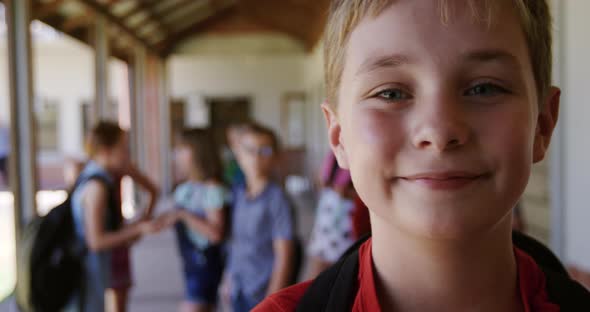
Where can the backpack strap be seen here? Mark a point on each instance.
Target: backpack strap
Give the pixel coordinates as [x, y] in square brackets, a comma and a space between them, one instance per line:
[568, 294]
[114, 215]
[542, 255]
[335, 288]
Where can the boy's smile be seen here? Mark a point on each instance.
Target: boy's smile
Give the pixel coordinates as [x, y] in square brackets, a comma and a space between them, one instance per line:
[439, 123]
[444, 180]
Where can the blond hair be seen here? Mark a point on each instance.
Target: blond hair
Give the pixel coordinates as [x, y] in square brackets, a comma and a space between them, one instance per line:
[345, 15]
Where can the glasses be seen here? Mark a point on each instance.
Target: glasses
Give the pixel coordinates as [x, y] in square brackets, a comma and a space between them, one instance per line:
[264, 151]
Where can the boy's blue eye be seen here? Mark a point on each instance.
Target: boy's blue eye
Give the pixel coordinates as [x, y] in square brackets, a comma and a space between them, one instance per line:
[393, 95]
[485, 89]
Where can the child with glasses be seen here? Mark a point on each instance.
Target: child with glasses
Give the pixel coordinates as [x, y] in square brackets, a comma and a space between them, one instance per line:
[261, 249]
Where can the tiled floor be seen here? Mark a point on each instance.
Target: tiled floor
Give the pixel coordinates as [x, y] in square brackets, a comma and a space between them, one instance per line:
[157, 274]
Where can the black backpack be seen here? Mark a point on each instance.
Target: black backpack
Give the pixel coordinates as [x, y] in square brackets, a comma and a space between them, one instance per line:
[50, 258]
[335, 289]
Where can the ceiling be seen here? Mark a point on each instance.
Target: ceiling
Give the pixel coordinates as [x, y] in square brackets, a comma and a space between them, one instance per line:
[161, 25]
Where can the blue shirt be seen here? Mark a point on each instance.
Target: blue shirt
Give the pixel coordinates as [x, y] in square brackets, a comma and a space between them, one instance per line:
[198, 199]
[256, 223]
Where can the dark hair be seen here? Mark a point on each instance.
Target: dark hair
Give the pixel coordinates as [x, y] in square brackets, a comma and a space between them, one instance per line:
[258, 129]
[205, 154]
[105, 134]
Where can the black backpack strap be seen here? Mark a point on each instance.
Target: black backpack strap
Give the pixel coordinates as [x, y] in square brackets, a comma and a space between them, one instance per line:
[335, 288]
[565, 292]
[115, 218]
[543, 256]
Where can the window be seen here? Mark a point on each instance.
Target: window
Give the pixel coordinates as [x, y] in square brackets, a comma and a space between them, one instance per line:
[47, 112]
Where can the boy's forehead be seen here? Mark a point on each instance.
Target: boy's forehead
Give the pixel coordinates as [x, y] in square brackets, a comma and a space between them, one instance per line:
[413, 31]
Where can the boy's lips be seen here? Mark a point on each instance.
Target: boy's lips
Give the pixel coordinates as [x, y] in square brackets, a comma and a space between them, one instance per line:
[447, 180]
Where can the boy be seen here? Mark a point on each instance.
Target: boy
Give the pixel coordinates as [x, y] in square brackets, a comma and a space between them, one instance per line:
[439, 109]
[261, 248]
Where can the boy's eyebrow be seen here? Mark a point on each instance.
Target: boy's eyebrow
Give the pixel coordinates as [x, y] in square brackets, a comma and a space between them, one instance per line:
[396, 60]
[485, 56]
[392, 60]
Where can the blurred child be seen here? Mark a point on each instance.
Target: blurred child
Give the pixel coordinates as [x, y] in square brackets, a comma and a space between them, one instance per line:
[439, 110]
[200, 203]
[261, 249]
[333, 231]
[95, 211]
[121, 279]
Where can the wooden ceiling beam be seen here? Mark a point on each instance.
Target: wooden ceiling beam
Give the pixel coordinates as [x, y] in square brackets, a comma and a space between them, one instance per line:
[82, 20]
[100, 9]
[175, 8]
[167, 45]
[41, 11]
[316, 28]
[313, 12]
[261, 16]
[83, 34]
[138, 8]
[153, 16]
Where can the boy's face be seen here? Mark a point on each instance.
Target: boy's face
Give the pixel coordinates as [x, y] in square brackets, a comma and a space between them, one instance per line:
[439, 124]
[256, 155]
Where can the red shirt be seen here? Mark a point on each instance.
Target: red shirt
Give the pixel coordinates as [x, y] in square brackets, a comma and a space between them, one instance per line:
[531, 282]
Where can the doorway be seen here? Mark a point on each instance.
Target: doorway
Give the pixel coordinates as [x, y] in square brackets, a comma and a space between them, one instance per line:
[225, 111]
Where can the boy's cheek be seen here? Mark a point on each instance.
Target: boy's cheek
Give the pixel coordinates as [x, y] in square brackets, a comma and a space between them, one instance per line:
[373, 144]
[373, 135]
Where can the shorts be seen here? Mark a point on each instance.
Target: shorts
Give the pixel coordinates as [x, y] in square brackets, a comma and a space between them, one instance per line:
[120, 269]
[202, 272]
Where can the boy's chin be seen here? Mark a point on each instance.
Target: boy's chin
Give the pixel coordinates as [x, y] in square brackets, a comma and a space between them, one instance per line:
[454, 223]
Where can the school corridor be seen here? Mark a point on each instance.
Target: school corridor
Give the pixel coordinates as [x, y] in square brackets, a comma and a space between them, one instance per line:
[156, 68]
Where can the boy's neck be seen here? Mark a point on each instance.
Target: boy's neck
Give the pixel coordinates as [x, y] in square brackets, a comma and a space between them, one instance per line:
[256, 185]
[103, 163]
[418, 274]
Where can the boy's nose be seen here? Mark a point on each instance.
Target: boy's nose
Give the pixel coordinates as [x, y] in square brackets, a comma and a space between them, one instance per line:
[441, 130]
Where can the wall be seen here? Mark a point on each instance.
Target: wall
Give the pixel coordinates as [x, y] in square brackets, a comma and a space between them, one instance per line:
[63, 72]
[234, 71]
[575, 126]
[267, 43]
[317, 137]
[262, 66]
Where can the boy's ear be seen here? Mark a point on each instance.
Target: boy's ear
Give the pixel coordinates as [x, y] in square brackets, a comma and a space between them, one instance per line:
[334, 135]
[546, 124]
